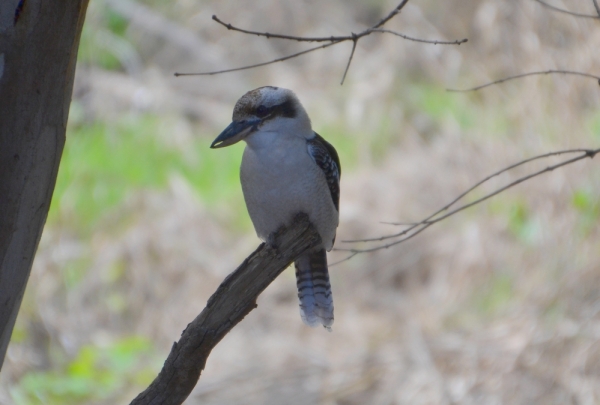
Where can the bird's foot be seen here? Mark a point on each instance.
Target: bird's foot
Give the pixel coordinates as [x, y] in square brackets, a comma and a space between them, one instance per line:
[272, 244]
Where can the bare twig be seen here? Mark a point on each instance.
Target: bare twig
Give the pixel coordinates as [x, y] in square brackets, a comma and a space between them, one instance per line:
[345, 259]
[418, 227]
[413, 225]
[232, 301]
[216, 72]
[597, 7]
[590, 154]
[332, 40]
[349, 59]
[545, 72]
[560, 10]
[280, 36]
[425, 41]
[391, 15]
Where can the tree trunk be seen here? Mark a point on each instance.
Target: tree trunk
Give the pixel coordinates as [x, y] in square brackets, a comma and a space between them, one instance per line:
[38, 51]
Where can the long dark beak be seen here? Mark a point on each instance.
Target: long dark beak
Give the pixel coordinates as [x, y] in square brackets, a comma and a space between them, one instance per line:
[235, 132]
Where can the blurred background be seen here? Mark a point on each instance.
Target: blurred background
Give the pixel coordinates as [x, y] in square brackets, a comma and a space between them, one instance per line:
[497, 305]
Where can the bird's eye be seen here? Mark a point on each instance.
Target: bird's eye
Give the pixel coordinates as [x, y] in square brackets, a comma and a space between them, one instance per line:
[261, 111]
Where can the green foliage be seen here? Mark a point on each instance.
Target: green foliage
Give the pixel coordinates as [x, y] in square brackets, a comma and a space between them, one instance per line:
[594, 125]
[102, 23]
[441, 105]
[521, 222]
[345, 146]
[91, 52]
[19, 334]
[519, 219]
[554, 312]
[497, 296]
[104, 163]
[74, 271]
[491, 299]
[587, 204]
[380, 144]
[96, 373]
[461, 112]
[116, 23]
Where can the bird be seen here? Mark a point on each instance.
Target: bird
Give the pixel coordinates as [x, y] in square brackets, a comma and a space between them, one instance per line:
[287, 168]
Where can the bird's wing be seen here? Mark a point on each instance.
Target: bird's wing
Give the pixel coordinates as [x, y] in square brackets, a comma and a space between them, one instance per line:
[326, 157]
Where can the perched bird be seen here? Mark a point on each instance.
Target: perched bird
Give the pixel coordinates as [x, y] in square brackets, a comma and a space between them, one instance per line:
[287, 168]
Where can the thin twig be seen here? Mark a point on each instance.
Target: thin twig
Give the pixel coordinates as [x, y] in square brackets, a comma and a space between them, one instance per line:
[545, 72]
[596, 7]
[391, 15]
[349, 59]
[281, 36]
[351, 37]
[354, 252]
[548, 169]
[332, 40]
[413, 225]
[425, 41]
[345, 259]
[258, 64]
[424, 224]
[560, 10]
[398, 223]
[491, 176]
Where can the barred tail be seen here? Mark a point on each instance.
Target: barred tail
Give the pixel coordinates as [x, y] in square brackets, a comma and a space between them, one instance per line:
[314, 290]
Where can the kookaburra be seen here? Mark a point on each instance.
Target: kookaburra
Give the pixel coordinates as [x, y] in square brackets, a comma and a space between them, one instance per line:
[287, 168]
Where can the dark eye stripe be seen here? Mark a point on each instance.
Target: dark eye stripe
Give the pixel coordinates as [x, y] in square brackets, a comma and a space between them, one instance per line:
[262, 111]
[286, 109]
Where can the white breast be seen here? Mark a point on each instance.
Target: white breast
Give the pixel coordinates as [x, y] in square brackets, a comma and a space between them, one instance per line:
[279, 180]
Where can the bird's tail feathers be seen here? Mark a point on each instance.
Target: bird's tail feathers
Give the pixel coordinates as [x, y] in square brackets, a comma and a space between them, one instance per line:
[314, 290]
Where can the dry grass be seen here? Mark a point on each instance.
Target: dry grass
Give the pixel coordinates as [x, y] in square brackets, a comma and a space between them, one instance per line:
[499, 304]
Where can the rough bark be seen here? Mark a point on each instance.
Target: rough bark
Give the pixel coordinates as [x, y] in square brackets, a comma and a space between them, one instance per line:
[38, 51]
[232, 301]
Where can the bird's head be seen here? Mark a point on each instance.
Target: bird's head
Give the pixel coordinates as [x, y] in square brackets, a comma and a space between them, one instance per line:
[268, 109]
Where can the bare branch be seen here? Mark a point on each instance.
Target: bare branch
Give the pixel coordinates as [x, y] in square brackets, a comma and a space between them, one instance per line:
[391, 15]
[331, 39]
[354, 252]
[491, 176]
[413, 225]
[281, 36]
[560, 10]
[546, 72]
[590, 154]
[232, 301]
[345, 259]
[216, 72]
[349, 59]
[334, 38]
[418, 227]
[596, 7]
[425, 41]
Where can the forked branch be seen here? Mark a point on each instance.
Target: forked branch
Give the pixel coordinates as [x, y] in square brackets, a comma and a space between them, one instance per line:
[331, 40]
[415, 228]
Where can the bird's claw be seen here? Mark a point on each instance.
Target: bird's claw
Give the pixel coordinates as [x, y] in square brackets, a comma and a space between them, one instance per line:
[272, 244]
